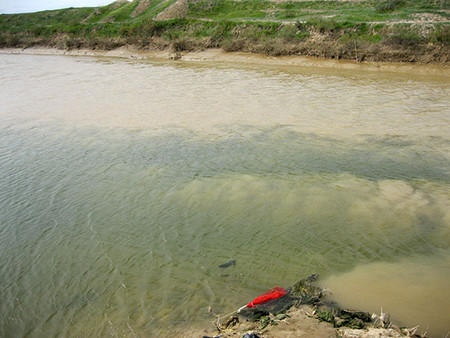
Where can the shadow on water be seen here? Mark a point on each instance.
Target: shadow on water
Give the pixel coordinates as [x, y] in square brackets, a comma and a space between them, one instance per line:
[280, 151]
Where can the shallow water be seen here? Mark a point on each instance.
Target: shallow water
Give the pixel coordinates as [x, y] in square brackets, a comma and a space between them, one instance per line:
[125, 184]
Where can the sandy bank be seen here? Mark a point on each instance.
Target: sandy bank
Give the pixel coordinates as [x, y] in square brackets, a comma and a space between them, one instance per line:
[218, 55]
[300, 323]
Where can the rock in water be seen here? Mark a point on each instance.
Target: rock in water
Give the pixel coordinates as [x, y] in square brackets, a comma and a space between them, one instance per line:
[228, 264]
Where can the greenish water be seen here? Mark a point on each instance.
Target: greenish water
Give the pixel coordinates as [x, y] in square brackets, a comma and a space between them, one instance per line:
[124, 185]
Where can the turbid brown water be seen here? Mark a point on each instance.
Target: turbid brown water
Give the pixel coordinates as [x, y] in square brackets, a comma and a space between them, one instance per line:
[126, 184]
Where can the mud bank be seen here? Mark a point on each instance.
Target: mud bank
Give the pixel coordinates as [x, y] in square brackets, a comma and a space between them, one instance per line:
[300, 323]
[218, 55]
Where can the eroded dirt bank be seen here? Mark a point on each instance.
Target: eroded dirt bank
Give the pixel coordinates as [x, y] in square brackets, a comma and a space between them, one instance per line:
[218, 55]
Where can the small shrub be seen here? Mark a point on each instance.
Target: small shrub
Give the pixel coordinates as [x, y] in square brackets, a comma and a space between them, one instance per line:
[73, 43]
[404, 36]
[13, 41]
[147, 28]
[109, 44]
[221, 31]
[300, 25]
[324, 25]
[302, 35]
[277, 47]
[441, 34]
[182, 44]
[253, 33]
[233, 45]
[288, 32]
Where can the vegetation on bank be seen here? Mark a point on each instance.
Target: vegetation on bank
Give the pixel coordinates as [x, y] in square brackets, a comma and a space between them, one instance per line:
[381, 30]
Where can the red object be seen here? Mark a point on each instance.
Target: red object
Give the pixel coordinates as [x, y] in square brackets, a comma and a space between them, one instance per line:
[274, 293]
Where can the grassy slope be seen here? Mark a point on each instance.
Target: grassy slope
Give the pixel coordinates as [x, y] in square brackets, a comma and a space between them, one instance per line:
[370, 29]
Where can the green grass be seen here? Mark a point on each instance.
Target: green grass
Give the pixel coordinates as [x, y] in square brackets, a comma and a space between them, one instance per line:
[157, 7]
[371, 10]
[441, 34]
[244, 10]
[122, 13]
[390, 5]
[228, 9]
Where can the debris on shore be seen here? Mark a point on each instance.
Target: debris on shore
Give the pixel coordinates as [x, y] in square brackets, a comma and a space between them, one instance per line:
[306, 310]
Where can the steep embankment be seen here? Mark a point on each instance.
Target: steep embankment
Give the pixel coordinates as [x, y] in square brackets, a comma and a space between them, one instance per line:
[389, 30]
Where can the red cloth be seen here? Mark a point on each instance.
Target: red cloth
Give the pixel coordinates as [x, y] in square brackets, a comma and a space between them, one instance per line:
[274, 293]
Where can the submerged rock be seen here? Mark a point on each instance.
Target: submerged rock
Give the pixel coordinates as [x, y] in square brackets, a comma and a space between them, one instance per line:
[227, 264]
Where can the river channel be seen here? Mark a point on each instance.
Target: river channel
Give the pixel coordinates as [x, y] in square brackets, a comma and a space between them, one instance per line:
[124, 184]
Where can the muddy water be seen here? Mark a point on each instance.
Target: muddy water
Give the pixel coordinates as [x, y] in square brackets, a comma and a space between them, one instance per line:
[124, 185]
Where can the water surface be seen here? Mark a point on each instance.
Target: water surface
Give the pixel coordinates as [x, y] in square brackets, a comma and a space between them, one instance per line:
[125, 184]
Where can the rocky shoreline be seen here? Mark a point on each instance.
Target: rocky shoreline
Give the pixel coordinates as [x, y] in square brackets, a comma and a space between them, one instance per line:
[305, 311]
